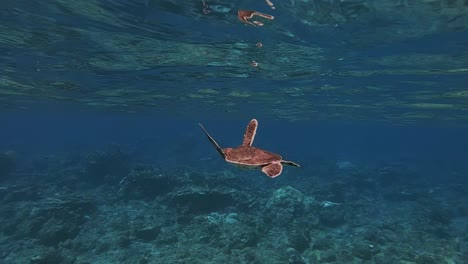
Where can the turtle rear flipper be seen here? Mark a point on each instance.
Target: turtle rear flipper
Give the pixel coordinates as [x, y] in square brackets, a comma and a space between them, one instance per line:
[215, 144]
[273, 169]
[290, 163]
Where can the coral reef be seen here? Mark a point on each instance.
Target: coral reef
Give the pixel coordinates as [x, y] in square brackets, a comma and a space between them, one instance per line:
[155, 215]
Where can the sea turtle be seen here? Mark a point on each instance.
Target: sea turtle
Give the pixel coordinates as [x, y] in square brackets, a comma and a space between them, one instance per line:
[246, 156]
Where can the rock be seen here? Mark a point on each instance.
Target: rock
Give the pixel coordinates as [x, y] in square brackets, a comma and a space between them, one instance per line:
[21, 194]
[429, 259]
[322, 243]
[386, 259]
[327, 257]
[59, 220]
[364, 250]
[147, 234]
[299, 240]
[243, 239]
[251, 257]
[146, 184]
[463, 247]
[168, 236]
[52, 257]
[200, 200]
[440, 216]
[285, 205]
[221, 219]
[55, 233]
[295, 257]
[332, 217]
[286, 197]
[380, 237]
[124, 241]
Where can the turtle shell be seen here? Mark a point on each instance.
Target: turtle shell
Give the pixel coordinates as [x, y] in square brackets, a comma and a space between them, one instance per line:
[247, 156]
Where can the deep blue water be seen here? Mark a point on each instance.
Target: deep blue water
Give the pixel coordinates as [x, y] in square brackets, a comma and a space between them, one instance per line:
[180, 142]
[99, 109]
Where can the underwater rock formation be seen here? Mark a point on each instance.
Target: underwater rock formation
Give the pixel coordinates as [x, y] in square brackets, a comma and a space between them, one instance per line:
[146, 184]
[195, 217]
[285, 204]
[200, 200]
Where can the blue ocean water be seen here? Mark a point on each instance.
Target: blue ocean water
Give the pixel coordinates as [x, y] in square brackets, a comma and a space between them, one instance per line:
[102, 159]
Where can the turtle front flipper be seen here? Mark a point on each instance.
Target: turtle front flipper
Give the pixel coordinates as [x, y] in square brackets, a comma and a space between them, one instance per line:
[250, 133]
[273, 169]
[215, 144]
